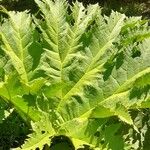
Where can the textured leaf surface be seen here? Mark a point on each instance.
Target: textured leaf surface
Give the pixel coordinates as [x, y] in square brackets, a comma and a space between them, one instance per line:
[90, 68]
[41, 136]
[16, 36]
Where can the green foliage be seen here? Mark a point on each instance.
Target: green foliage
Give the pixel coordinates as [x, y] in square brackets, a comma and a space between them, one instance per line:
[76, 73]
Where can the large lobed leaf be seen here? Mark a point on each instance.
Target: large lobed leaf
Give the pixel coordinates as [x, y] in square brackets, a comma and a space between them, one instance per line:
[92, 67]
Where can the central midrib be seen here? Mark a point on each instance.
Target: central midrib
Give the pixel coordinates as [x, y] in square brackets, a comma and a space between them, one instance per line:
[89, 69]
[119, 93]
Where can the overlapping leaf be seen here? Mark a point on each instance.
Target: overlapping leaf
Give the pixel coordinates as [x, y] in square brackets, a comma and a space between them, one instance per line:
[92, 67]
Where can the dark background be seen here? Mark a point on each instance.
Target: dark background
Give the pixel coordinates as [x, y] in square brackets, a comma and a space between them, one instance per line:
[129, 7]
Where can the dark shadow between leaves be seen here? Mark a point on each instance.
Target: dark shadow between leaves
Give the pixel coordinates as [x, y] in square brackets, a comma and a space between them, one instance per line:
[30, 99]
[139, 92]
[114, 61]
[61, 142]
[35, 50]
[14, 131]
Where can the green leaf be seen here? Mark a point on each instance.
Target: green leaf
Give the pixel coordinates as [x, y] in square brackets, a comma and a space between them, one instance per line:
[16, 36]
[88, 71]
[97, 79]
[43, 132]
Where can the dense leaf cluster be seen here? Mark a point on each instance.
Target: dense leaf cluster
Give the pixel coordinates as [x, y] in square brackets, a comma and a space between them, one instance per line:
[76, 74]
